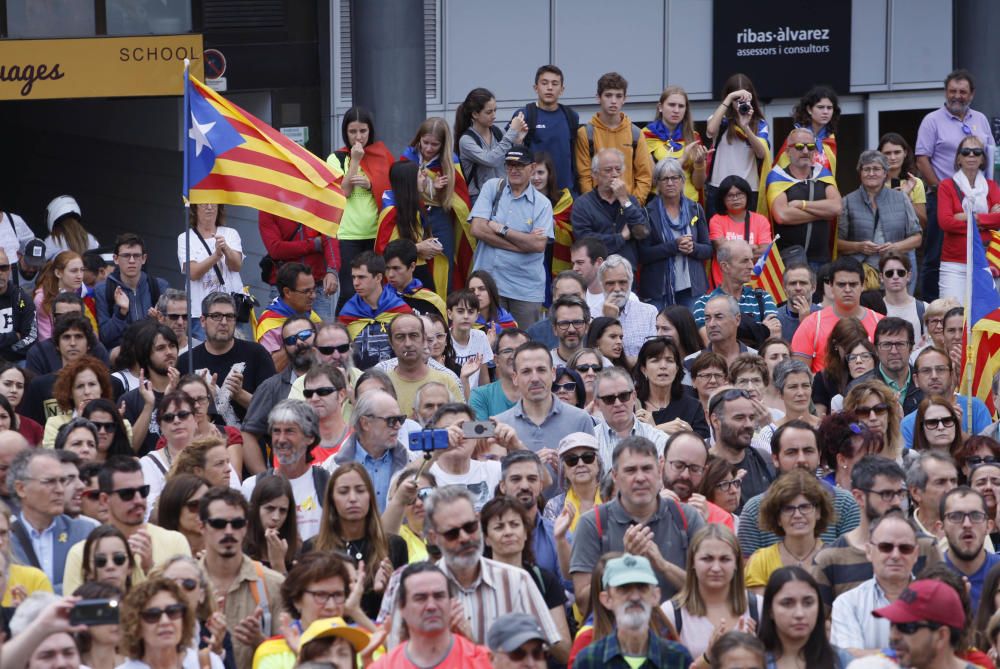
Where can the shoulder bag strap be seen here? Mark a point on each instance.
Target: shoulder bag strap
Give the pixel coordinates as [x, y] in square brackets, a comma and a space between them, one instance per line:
[260, 598]
[218, 272]
[22, 534]
[746, 227]
[809, 225]
[678, 618]
[496, 198]
[156, 461]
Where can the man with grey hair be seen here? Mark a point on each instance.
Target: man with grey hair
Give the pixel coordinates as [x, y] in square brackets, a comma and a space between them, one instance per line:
[929, 478]
[294, 429]
[875, 219]
[375, 443]
[736, 259]
[570, 318]
[172, 310]
[722, 322]
[42, 534]
[614, 396]
[608, 212]
[487, 589]
[41, 634]
[429, 397]
[638, 319]
[11, 443]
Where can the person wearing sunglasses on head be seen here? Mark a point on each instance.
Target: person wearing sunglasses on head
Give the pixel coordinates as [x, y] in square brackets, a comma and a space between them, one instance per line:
[966, 526]
[332, 345]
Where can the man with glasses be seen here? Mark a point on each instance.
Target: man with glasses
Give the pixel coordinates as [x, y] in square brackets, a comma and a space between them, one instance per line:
[566, 283]
[513, 223]
[929, 477]
[125, 495]
[296, 295]
[614, 396]
[17, 316]
[639, 520]
[803, 200]
[878, 486]
[812, 335]
[332, 345]
[927, 624]
[684, 458]
[370, 310]
[42, 534]
[517, 642]
[128, 294]
[892, 550]
[499, 396]
[251, 591]
[732, 416]
[171, 310]
[400, 257]
[570, 318]
[966, 525]
[893, 343]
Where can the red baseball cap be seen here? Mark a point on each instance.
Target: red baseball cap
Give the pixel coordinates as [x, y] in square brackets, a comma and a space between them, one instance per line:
[929, 600]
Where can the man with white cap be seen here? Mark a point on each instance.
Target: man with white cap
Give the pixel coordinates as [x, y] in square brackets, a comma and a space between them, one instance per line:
[516, 642]
[926, 626]
[630, 593]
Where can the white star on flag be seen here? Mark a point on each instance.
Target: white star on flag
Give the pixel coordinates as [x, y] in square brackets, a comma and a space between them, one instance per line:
[198, 133]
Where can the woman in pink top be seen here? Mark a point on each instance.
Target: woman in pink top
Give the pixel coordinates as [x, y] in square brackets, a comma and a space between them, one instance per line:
[738, 222]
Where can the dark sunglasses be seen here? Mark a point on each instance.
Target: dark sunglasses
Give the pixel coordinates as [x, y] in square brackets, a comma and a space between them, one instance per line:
[126, 494]
[537, 653]
[176, 317]
[4, 268]
[974, 460]
[193, 505]
[390, 421]
[725, 486]
[322, 392]
[622, 397]
[469, 528]
[328, 350]
[304, 335]
[424, 493]
[104, 427]
[184, 414]
[568, 386]
[892, 273]
[572, 458]
[913, 628]
[937, 423]
[969, 151]
[220, 523]
[188, 584]
[878, 409]
[593, 367]
[92, 495]
[153, 616]
[887, 547]
[119, 559]
[726, 396]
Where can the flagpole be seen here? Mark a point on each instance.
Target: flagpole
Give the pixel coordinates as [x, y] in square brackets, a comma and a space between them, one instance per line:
[186, 116]
[970, 226]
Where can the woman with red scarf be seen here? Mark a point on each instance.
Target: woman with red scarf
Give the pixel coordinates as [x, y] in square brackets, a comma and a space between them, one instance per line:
[365, 165]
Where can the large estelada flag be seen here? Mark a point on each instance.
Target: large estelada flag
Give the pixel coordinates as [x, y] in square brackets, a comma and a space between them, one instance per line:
[769, 273]
[232, 157]
[984, 315]
[993, 251]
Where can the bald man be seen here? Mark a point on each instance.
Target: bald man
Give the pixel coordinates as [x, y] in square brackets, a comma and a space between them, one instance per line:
[17, 316]
[11, 443]
[736, 259]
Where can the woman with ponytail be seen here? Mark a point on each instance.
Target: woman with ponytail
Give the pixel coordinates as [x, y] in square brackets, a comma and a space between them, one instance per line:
[481, 145]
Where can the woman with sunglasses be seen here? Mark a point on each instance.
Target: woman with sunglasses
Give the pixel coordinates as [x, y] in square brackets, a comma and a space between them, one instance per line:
[113, 435]
[658, 375]
[569, 387]
[581, 470]
[967, 185]
[797, 508]
[974, 451]
[13, 381]
[98, 644]
[177, 509]
[404, 513]
[722, 485]
[896, 271]
[199, 595]
[202, 395]
[325, 390]
[272, 525]
[158, 629]
[107, 558]
[351, 524]
[178, 424]
[842, 363]
[937, 426]
[587, 362]
[76, 384]
[843, 441]
[876, 406]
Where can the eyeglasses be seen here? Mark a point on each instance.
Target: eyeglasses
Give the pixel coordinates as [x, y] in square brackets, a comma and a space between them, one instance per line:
[174, 417]
[537, 653]
[887, 495]
[126, 494]
[946, 422]
[220, 523]
[859, 357]
[306, 291]
[219, 316]
[322, 597]
[940, 370]
[4, 268]
[424, 493]
[203, 399]
[130, 256]
[974, 460]
[738, 195]
[710, 376]
[390, 421]
[153, 616]
[119, 560]
[672, 178]
[568, 386]
[505, 352]
[890, 345]
[803, 509]
[877, 409]
[728, 484]
[304, 335]
[54, 482]
[872, 170]
[104, 427]
[470, 528]
[339, 348]
[958, 517]
[576, 324]
[913, 628]
[680, 466]
[92, 495]
[176, 317]
[188, 584]
[800, 146]
[322, 392]
[893, 273]
[970, 151]
[935, 322]
[571, 459]
[752, 381]
[593, 367]
[622, 397]
[887, 547]
[727, 396]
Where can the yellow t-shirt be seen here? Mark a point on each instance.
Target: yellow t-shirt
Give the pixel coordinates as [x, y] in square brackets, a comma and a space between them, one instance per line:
[30, 578]
[416, 549]
[761, 565]
[406, 391]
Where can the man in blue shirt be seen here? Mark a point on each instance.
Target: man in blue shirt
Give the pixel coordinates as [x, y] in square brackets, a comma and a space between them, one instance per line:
[513, 223]
[966, 524]
[551, 126]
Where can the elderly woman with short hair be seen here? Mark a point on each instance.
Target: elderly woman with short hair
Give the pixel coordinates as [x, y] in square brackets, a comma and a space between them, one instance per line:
[672, 258]
[876, 219]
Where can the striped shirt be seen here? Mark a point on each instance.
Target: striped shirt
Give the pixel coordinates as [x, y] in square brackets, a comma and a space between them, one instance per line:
[749, 304]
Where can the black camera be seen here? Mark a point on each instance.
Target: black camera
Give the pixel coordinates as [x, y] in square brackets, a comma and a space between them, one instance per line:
[744, 108]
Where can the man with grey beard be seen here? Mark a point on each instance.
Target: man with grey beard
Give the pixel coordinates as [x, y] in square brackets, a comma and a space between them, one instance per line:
[630, 592]
[638, 319]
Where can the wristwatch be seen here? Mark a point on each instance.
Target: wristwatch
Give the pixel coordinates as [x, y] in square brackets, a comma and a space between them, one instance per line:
[503, 231]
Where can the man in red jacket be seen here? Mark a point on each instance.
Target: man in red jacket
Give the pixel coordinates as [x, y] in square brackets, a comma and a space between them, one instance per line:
[288, 241]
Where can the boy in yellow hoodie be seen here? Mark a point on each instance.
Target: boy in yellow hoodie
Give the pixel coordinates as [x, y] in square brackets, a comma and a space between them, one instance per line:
[610, 128]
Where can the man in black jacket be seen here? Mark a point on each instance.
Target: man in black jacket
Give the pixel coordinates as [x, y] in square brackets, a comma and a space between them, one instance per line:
[17, 316]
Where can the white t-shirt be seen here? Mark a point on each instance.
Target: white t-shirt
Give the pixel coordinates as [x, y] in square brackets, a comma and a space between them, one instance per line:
[907, 313]
[481, 479]
[735, 158]
[209, 282]
[13, 231]
[191, 661]
[154, 468]
[308, 502]
[596, 303]
[478, 345]
[54, 247]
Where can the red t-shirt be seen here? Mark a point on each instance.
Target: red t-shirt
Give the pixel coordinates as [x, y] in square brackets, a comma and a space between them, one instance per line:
[721, 226]
[813, 334]
[464, 655]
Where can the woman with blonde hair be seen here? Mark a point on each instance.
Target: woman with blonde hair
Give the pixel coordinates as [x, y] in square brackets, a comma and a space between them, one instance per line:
[206, 457]
[672, 135]
[876, 406]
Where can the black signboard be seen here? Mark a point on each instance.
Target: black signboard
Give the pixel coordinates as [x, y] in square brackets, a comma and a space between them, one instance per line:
[784, 46]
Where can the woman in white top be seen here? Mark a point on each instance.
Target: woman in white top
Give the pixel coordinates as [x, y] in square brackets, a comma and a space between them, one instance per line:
[216, 254]
[713, 600]
[66, 233]
[896, 271]
[178, 425]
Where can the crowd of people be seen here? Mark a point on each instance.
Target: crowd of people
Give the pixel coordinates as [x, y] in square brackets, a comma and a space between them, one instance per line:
[527, 408]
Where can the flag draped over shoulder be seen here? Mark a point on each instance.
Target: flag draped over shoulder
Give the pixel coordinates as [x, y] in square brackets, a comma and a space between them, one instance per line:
[358, 314]
[388, 231]
[232, 157]
[769, 273]
[779, 180]
[562, 233]
[827, 157]
[665, 143]
[984, 316]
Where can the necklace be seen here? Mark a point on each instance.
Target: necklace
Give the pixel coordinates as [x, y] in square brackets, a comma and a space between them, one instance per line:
[801, 560]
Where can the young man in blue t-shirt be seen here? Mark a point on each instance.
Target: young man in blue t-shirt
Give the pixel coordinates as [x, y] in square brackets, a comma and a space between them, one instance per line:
[552, 126]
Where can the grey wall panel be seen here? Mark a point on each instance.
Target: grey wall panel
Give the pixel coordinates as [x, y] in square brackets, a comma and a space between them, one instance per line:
[495, 46]
[869, 19]
[921, 42]
[689, 47]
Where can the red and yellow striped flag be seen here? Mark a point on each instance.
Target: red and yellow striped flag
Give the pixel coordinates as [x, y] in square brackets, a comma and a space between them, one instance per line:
[232, 157]
[769, 273]
[993, 251]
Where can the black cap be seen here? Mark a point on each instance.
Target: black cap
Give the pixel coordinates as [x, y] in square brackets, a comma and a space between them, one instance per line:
[519, 154]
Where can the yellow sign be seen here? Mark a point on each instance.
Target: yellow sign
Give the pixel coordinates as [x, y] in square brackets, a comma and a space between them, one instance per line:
[99, 67]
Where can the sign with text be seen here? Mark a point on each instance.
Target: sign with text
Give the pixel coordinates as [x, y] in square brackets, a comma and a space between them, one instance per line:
[99, 67]
[784, 46]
